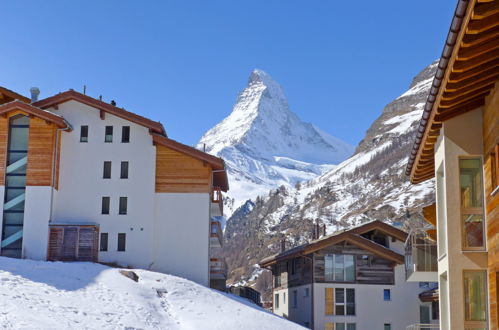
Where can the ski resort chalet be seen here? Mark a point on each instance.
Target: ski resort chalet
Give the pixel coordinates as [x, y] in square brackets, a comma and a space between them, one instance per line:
[350, 280]
[84, 180]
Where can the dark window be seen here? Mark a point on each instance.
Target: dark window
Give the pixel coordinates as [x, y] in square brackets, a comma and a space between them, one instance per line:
[84, 134]
[121, 241]
[387, 295]
[107, 170]
[125, 134]
[276, 298]
[434, 310]
[123, 205]
[387, 326]
[109, 134]
[294, 263]
[103, 241]
[105, 205]
[124, 170]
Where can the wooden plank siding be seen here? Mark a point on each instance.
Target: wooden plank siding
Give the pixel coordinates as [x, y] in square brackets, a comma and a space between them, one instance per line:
[490, 140]
[73, 243]
[40, 153]
[177, 172]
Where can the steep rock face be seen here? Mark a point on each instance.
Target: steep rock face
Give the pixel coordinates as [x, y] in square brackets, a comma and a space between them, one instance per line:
[266, 145]
[370, 185]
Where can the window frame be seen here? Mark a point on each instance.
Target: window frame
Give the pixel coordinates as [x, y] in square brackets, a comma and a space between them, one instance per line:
[333, 272]
[108, 199]
[387, 324]
[121, 210]
[110, 127]
[494, 170]
[101, 240]
[84, 137]
[471, 211]
[276, 300]
[118, 248]
[294, 299]
[389, 294]
[110, 169]
[123, 130]
[476, 323]
[345, 303]
[126, 171]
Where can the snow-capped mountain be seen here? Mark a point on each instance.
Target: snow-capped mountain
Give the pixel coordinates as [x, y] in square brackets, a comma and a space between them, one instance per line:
[265, 145]
[370, 185]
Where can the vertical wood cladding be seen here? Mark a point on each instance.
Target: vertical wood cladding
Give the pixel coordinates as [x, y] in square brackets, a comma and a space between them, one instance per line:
[73, 243]
[40, 153]
[4, 128]
[490, 140]
[179, 173]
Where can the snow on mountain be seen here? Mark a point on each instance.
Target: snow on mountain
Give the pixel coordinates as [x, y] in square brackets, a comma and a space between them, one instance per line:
[78, 295]
[265, 145]
[370, 185]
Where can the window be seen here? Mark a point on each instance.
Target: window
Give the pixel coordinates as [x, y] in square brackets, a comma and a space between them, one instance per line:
[387, 295]
[276, 299]
[344, 301]
[435, 310]
[471, 186]
[307, 292]
[284, 297]
[109, 134]
[121, 241]
[475, 298]
[294, 264]
[125, 134]
[124, 170]
[277, 280]
[123, 205]
[107, 170]
[84, 133]
[295, 298]
[106, 201]
[387, 326]
[103, 241]
[339, 267]
[494, 169]
[340, 326]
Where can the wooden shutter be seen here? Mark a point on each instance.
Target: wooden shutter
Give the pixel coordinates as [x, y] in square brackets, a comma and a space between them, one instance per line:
[86, 244]
[329, 294]
[329, 326]
[70, 243]
[55, 244]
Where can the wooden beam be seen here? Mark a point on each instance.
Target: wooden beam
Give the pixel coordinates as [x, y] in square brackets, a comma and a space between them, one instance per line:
[474, 39]
[482, 68]
[481, 25]
[453, 112]
[472, 83]
[482, 11]
[464, 98]
[468, 53]
[464, 65]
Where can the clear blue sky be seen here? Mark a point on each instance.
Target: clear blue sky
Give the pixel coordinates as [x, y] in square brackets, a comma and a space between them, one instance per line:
[183, 62]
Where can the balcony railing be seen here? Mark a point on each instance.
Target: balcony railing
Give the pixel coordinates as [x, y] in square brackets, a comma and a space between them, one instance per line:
[420, 258]
[218, 268]
[422, 326]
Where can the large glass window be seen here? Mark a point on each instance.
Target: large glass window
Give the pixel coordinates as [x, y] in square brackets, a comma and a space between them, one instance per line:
[339, 267]
[15, 186]
[471, 188]
[475, 298]
[344, 301]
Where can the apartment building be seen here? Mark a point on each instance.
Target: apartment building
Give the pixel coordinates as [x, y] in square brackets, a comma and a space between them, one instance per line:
[350, 280]
[457, 145]
[85, 180]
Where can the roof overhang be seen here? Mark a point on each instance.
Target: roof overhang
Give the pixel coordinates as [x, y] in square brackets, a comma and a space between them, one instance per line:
[217, 164]
[36, 112]
[6, 95]
[55, 100]
[467, 72]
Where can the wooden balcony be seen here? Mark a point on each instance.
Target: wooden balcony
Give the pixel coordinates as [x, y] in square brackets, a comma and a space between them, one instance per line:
[217, 205]
[218, 268]
[216, 234]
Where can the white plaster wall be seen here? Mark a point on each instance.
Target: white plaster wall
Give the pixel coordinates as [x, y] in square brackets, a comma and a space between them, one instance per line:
[182, 231]
[372, 312]
[81, 186]
[460, 136]
[283, 309]
[36, 219]
[302, 313]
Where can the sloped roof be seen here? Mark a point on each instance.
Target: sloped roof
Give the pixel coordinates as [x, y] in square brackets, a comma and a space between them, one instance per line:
[218, 164]
[35, 111]
[154, 126]
[11, 95]
[352, 236]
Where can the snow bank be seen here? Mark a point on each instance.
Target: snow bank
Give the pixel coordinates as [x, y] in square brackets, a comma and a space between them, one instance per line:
[56, 295]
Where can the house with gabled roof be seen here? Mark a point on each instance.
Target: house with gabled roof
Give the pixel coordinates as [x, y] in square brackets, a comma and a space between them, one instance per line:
[350, 280]
[84, 180]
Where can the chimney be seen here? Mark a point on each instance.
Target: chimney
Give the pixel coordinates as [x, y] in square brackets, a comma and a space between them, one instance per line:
[34, 94]
[283, 245]
[113, 102]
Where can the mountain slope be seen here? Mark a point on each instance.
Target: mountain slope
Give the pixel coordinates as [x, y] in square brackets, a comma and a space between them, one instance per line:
[83, 295]
[266, 145]
[370, 185]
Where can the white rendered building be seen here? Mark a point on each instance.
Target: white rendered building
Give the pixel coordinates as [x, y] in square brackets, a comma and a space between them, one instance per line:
[85, 180]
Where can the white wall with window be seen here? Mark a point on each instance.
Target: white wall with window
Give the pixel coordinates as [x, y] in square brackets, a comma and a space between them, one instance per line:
[298, 305]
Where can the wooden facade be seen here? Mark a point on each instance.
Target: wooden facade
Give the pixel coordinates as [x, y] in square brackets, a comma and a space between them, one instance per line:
[73, 243]
[177, 172]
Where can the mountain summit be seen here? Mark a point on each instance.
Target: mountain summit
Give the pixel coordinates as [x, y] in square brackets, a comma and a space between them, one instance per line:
[266, 145]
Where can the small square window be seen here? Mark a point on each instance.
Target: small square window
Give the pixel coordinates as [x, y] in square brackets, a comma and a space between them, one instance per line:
[123, 205]
[125, 134]
[387, 295]
[106, 201]
[107, 170]
[103, 241]
[124, 170]
[109, 134]
[387, 326]
[84, 133]
[121, 241]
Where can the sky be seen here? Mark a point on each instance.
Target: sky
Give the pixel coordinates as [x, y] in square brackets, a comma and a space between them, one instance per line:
[184, 62]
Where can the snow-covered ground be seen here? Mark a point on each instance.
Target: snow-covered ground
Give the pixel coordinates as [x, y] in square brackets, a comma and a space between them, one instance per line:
[56, 295]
